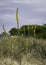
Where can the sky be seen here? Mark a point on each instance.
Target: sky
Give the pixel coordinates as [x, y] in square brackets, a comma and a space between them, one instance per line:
[29, 12]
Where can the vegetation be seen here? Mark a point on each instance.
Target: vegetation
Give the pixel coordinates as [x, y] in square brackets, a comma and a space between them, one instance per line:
[18, 46]
[39, 31]
[30, 45]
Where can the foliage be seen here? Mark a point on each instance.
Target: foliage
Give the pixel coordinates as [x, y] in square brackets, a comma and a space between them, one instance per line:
[15, 47]
[13, 31]
[39, 31]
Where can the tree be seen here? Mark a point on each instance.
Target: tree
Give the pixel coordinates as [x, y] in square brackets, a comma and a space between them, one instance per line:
[13, 31]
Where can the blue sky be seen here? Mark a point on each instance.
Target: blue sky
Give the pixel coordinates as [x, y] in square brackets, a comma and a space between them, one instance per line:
[30, 12]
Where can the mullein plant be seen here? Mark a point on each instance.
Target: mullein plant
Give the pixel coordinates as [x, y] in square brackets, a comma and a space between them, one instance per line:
[34, 41]
[5, 34]
[27, 44]
[34, 31]
[4, 29]
[22, 35]
[28, 30]
[17, 20]
[24, 30]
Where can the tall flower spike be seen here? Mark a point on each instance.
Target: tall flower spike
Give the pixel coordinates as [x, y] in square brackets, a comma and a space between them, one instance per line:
[4, 29]
[17, 18]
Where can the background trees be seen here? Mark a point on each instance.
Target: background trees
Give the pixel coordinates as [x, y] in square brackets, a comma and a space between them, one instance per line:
[30, 30]
[13, 31]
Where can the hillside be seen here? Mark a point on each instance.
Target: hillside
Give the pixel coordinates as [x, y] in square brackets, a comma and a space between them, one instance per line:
[22, 50]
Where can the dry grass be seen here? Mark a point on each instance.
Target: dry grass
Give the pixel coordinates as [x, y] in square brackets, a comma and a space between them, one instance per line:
[33, 57]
